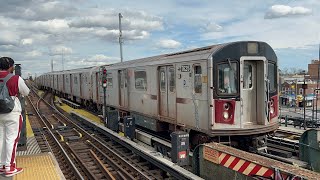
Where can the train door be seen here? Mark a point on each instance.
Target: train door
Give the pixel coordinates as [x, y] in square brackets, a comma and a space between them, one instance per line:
[97, 86]
[71, 85]
[252, 75]
[63, 84]
[123, 83]
[167, 91]
[80, 84]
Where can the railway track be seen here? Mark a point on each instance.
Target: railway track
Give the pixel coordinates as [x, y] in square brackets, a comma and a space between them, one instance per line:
[48, 141]
[93, 158]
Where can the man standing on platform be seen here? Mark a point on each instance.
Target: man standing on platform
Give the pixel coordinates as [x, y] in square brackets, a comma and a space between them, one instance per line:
[10, 122]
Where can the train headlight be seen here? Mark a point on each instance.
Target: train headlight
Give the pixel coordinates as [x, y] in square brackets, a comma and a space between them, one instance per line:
[272, 110]
[225, 115]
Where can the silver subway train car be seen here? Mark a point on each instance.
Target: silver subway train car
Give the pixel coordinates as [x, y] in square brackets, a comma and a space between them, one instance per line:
[224, 90]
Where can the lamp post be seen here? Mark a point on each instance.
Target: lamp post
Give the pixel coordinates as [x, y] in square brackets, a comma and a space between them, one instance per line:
[304, 87]
[120, 36]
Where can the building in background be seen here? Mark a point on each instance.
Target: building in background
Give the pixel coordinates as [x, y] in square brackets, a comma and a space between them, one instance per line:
[291, 90]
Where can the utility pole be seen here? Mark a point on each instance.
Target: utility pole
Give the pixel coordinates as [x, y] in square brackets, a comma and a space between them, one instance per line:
[317, 88]
[51, 65]
[62, 59]
[120, 36]
[295, 94]
[104, 86]
[304, 102]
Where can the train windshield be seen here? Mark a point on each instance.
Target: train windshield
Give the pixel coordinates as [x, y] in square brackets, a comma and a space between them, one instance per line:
[227, 78]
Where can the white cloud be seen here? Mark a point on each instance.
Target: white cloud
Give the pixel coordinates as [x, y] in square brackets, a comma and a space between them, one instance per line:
[60, 50]
[34, 53]
[9, 38]
[136, 25]
[212, 27]
[278, 11]
[27, 41]
[101, 57]
[50, 26]
[168, 44]
[95, 60]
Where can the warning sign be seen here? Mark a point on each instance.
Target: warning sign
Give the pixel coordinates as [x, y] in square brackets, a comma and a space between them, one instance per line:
[211, 155]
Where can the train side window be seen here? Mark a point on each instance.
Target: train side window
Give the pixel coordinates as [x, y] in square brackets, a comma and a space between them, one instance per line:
[272, 74]
[162, 80]
[109, 80]
[172, 83]
[197, 79]
[247, 79]
[140, 80]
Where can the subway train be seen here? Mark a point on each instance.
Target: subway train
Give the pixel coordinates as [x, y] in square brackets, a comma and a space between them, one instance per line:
[225, 92]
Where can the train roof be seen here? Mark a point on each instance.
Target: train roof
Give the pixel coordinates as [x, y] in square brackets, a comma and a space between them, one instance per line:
[218, 52]
[233, 50]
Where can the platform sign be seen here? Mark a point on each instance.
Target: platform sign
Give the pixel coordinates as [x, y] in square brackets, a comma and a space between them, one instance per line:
[211, 154]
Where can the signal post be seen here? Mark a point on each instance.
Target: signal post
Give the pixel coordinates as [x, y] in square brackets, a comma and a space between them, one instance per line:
[104, 86]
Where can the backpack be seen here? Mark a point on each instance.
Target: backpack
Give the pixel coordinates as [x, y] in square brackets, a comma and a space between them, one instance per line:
[6, 102]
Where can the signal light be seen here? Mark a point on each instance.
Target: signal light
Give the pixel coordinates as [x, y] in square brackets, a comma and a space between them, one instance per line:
[104, 84]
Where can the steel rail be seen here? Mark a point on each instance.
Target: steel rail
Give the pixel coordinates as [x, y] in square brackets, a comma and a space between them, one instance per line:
[76, 172]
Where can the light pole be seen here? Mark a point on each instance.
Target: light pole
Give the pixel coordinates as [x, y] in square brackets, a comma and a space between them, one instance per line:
[304, 87]
[62, 58]
[120, 36]
[317, 85]
[295, 96]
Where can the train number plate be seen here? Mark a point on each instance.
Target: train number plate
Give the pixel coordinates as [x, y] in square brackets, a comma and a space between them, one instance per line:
[185, 68]
[211, 155]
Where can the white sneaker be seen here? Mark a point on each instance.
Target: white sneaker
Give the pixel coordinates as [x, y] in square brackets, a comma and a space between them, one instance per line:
[13, 171]
[3, 169]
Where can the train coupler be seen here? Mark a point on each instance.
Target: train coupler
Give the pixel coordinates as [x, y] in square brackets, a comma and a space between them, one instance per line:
[259, 144]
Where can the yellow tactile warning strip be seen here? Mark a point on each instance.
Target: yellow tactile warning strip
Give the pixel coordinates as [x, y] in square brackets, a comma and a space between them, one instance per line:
[28, 127]
[84, 113]
[40, 93]
[40, 166]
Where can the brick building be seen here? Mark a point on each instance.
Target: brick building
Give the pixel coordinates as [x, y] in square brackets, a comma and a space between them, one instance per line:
[313, 69]
[291, 90]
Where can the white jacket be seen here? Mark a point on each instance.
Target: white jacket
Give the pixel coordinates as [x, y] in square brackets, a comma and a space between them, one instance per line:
[23, 91]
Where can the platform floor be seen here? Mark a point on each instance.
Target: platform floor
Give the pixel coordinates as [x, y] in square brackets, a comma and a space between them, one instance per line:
[37, 167]
[84, 113]
[292, 129]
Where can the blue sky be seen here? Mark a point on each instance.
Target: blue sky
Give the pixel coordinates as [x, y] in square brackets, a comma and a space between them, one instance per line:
[84, 33]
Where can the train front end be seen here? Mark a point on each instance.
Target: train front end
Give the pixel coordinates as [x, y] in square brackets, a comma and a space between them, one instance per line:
[245, 93]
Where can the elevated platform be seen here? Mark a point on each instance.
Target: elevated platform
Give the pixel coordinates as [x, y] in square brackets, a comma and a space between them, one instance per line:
[291, 130]
[39, 166]
[84, 113]
[36, 165]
